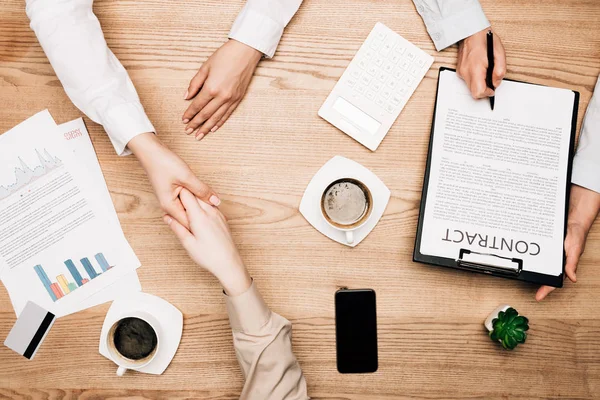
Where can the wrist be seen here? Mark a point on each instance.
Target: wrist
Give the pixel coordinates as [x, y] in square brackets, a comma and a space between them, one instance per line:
[143, 146]
[236, 281]
[477, 36]
[248, 52]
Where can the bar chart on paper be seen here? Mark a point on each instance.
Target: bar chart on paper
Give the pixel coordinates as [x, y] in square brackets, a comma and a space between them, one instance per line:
[66, 283]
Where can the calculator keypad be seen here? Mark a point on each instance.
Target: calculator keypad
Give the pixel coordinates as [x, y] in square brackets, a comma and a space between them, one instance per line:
[387, 72]
[379, 81]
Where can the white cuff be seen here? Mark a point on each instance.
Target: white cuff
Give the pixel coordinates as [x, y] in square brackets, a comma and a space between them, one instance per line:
[586, 173]
[123, 123]
[257, 30]
[456, 27]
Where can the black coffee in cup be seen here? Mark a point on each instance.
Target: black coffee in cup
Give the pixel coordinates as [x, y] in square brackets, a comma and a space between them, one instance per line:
[346, 203]
[134, 338]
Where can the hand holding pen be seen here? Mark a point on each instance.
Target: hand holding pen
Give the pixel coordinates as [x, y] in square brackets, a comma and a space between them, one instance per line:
[482, 75]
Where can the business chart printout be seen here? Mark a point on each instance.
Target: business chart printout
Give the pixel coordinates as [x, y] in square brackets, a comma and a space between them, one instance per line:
[76, 139]
[57, 246]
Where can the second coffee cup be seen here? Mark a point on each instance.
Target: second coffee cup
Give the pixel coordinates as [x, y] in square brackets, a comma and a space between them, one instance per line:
[346, 204]
[133, 341]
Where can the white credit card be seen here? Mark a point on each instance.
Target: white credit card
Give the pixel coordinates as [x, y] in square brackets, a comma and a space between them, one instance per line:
[30, 330]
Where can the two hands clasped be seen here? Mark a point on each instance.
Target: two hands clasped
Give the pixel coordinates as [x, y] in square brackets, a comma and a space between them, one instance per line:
[216, 91]
[192, 213]
[209, 243]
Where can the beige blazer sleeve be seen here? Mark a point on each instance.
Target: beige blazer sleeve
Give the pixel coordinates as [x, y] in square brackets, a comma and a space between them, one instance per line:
[263, 345]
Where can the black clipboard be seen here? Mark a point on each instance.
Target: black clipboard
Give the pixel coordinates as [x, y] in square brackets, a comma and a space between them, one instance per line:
[515, 270]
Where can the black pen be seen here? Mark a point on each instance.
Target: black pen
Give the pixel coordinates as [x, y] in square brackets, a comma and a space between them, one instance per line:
[490, 70]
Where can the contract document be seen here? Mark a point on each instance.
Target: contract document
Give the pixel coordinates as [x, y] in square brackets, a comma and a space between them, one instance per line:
[496, 187]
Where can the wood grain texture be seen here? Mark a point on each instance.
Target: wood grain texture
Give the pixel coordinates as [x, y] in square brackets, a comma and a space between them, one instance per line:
[432, 344]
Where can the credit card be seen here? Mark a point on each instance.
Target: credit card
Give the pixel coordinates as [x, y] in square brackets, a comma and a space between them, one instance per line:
[30, 330]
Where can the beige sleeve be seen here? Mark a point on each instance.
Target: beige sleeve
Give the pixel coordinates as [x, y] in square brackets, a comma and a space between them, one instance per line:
[263, 345]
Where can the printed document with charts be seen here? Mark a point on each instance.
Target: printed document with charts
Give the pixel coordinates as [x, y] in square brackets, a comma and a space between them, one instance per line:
[77, 139]
[60, 243]
[496, 183]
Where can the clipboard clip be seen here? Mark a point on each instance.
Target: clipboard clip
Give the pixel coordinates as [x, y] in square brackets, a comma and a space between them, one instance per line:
[509, 266]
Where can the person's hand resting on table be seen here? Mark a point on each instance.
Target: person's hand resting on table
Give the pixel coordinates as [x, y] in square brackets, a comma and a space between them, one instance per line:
[473, 63]
[584, 206]
[169, 175]
[209, 243]
[219, 87]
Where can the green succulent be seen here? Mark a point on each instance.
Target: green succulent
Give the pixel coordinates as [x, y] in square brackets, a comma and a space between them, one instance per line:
[509, 328]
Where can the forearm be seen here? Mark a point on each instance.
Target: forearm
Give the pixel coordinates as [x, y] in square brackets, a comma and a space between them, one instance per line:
[91, 75]
[263, 343]
[260, 24]
[584, 206]
[450, 21]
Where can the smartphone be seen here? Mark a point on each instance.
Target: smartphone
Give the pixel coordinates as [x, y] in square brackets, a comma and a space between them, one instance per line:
[356, 331]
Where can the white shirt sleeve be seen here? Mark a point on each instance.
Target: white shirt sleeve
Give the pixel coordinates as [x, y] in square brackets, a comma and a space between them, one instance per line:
[92, 76]
[260, 24]
[450, 21]
[586, 164]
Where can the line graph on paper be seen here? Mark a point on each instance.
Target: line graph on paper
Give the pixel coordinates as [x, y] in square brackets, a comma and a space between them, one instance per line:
[24, 174]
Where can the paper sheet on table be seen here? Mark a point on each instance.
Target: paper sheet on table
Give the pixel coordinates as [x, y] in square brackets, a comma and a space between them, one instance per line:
[126, 284]
[498, 178]
[77, 139]
[57, 245]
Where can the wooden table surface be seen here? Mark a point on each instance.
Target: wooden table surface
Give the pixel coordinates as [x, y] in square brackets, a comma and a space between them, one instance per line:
[431, 340]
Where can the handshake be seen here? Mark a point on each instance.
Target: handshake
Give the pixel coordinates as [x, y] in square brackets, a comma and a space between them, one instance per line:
[191, 211]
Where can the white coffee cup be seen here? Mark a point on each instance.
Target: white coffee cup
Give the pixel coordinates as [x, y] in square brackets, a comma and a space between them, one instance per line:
[123, 362]
[361, 218]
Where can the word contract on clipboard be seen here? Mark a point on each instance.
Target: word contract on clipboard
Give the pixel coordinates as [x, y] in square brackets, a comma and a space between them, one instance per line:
[495, 191]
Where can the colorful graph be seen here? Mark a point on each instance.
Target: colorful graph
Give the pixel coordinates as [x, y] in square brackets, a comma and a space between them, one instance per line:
[63, 286]
[25, 175]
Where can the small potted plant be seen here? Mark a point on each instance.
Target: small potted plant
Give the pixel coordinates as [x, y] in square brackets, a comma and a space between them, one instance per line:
[506, 326]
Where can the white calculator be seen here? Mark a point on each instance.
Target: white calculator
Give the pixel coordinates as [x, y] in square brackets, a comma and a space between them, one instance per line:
[374, 88]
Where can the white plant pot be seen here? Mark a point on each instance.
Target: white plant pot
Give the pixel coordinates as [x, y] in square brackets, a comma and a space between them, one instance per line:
[494, 314]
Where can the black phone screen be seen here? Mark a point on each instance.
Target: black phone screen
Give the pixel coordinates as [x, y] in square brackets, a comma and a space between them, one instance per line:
[356, 330]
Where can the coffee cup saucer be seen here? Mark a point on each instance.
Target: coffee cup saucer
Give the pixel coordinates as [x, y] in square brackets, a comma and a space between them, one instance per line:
[169, 331]
[337, 168]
